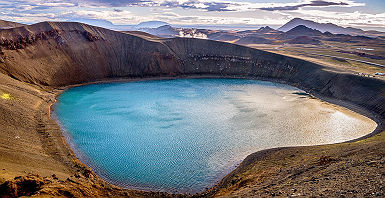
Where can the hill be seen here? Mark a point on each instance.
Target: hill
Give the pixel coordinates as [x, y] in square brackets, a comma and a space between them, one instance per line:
[166, 31]
[265, 30]
[37, 62]
[151, 24]
[300, 30]
[323, 27]
[8, 24]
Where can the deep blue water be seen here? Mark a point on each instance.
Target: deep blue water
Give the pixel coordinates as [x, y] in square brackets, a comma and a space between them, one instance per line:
[175, 135]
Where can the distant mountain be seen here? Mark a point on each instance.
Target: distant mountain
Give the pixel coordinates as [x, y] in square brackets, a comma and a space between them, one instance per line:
[262, 30]
[98, 23]
[109, 25]
[300, 30]
[323, 27]
[8, 24]
[163, 31]
[168, 31]
[266, 29]
[151, 24]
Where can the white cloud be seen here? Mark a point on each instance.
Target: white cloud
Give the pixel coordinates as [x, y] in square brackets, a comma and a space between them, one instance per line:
[114, 16]
[221, 5]
[343, 18]
[189, 11]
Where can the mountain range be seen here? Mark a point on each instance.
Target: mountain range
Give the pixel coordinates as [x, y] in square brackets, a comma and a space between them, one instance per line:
[323, 27]
[300, 34]
[37, 63]
[327, 27]
[150, 27]
[296, 31]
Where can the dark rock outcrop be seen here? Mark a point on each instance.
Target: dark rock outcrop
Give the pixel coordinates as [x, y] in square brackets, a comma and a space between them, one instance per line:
[37, 59]
[116, 55]
[22, 186]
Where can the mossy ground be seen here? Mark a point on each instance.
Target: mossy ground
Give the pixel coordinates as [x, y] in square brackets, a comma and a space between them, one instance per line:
[6, 96]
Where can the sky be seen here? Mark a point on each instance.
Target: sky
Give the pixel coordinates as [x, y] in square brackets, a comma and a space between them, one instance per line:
[363, 14]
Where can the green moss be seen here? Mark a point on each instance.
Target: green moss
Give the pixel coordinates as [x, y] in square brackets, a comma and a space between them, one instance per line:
[6, 96]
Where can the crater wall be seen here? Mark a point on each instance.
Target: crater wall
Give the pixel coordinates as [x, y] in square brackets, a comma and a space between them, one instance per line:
[36, 61]
[61, 54]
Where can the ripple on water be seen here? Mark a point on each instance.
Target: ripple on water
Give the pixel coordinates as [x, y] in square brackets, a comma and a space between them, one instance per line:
[185, 135]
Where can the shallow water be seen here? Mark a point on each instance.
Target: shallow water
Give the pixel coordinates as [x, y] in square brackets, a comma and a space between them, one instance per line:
[185, 135]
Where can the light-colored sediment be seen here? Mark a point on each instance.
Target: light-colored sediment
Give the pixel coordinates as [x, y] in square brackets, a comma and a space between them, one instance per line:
[44, 57]
[249, 117]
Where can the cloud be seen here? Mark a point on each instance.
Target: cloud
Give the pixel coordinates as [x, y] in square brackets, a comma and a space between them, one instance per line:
[217, 7]
[223, 5]
[343, 18]
[117, 17]
[114, 3]
[188, 11]
[208, 6]
[311, 4]
[118, 10]
[205, 5]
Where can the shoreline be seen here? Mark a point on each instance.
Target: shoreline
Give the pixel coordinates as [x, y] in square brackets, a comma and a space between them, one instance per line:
[339, 103]
[32, 142]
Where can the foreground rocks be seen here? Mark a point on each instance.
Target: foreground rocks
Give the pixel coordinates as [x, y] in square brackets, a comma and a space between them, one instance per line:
[36, 161]
[74, 186]
[343, 170]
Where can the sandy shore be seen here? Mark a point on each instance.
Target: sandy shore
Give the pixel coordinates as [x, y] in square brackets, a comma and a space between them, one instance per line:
[75, 170]
[32, 142]
[348, 108]
[312, 103]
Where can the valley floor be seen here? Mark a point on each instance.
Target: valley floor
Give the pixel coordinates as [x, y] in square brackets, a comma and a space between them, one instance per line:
[341, 56]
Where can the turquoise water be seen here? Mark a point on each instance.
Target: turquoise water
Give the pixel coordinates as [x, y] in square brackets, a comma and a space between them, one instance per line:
[185, 135]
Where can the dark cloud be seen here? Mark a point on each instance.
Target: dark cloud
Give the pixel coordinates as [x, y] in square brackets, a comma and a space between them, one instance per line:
[120, 3]
[118, 10]
[210, 6]
[217, 6]
[192, 4]
[170, 4]
[311, 4]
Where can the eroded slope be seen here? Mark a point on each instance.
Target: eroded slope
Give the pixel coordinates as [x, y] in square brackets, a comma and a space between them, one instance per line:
[37, 59]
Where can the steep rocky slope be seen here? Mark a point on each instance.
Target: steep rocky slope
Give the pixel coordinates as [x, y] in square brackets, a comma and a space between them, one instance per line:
[8, 24]
[37, 60]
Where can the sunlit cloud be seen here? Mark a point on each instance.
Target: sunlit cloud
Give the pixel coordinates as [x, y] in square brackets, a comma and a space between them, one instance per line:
[223, 5]
[248, 12]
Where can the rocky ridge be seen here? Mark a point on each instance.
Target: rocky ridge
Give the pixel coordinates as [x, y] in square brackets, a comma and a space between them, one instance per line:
[37, 61]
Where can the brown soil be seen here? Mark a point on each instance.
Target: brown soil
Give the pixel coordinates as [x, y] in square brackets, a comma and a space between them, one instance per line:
[37, 61]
